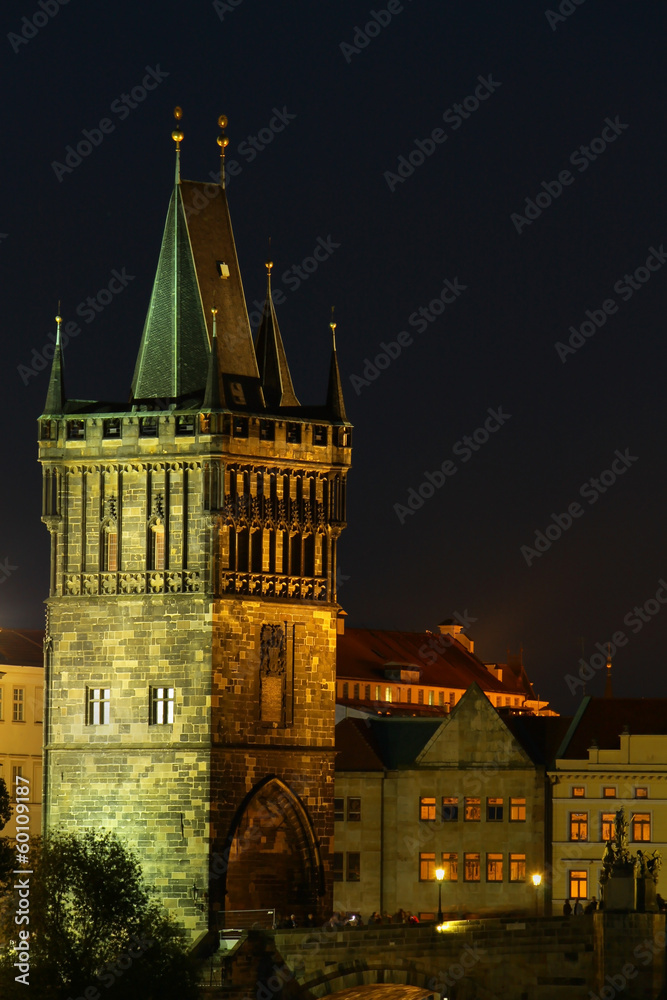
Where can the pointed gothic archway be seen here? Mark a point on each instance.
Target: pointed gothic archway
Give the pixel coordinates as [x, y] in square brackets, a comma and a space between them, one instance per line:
[274, 856]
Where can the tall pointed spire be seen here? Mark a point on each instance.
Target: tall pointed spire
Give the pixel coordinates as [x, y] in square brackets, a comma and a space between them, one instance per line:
[55, 397]
[214, 396]
[223, 142]
[608, 690]
[177, 136]
[335, 401]
[271, 358]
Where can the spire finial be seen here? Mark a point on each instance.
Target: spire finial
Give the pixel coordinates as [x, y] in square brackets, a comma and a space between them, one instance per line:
[332, 324]
[59, 320]
[177, 136]
[223, 142]
[214, 313]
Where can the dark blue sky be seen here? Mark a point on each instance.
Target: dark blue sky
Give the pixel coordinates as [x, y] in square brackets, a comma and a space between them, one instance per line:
[321, 118]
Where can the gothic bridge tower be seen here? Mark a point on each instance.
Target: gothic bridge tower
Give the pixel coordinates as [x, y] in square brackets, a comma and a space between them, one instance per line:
[192, 606]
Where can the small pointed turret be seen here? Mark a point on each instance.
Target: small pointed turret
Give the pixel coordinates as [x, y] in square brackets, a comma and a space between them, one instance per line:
[214, 396]
[271, 358]
[55, 397]
[335, 401]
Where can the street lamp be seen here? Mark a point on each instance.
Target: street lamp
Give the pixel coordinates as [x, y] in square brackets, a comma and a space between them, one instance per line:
[440, 874]
[537, 881]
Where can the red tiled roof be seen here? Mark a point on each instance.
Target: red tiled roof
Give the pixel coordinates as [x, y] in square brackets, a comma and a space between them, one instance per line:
[604, 719]
[363, 654]
[21, 647]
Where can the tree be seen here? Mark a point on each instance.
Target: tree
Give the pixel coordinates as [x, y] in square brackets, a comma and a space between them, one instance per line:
[7, 853]
[94, 926]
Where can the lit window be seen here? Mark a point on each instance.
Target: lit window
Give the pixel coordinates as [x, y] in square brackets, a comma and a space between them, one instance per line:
[377, 692]
[99, 700]
[494, 810]
[450, 809]
[641, 793]
[471, 867]
[472, 811]
[578, 826]
[517, 867]
[339, 811]
[162, 706]
[354, 866]
[430, 697]
[387, 694]
[607, 826]
[18, 711]
[338, 866]
[353, 810]
[578, 885]
[608, 793]
[494, 868]
[426, 867]
[579, 792]
[156, 555]
[641, 826]
[427, 808]
[450, 866]
[517, 810]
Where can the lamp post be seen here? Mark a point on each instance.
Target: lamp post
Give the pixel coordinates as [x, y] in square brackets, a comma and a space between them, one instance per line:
[439, 874]
[537, 881]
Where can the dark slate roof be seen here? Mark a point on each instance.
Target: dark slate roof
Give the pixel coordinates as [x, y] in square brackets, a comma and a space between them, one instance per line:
[363, 654]
[271, 358]
[539, 735]
[356, 749]
[604, 719]
[393, 743]
[21, 647]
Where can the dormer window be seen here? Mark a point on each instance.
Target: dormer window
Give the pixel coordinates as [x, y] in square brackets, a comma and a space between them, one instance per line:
[223, 269]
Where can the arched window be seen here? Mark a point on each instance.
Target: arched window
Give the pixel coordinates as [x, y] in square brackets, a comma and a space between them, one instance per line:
[110, 548]
[156, 547]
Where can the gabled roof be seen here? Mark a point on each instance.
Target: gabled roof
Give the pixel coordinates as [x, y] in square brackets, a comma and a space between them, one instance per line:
[364, 654]
[356, 748]
[21, 647]
[603, 720]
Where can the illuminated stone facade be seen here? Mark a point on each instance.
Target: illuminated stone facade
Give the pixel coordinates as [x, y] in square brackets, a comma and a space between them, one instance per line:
[192, 610]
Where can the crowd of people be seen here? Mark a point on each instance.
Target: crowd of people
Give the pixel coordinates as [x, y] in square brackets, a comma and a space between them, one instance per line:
[579, 907]
[341, 920]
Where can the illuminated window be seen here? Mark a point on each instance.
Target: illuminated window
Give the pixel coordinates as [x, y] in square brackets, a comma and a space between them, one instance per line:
[471, 867]
[641, 826]
[517, 867]
[450, 866]
[578, 826]
[99, 700]
[339, 810]
[494, 868]
[472, 811]
[156, 554]
[377, 692]
[608, 793]
[338, 866]
[517, 810]
[18, 710]
[387, 694]
[430, 697]
[450, 809]
[427, 808]
[162, 706]
[494, 810]
[353, 810]
[578, 885]
[641, 793]
[354, 866]
[427, 867]
[607, 826]
[579, 792]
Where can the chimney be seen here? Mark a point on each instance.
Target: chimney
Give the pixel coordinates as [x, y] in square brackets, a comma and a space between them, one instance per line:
[453, 629]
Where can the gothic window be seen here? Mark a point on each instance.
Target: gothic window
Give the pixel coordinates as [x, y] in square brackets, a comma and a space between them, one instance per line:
[109, 548]
[148, 427]
[295, 555]
[112, 428]
[309, 555]
[76, 430]
[162, 706]
[256, 550]
[98, 705]
[242, 542]
[185, 425]
[273, 674]
[156, 541]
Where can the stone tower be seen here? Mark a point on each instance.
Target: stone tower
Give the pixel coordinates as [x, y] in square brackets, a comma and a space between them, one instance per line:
[192, 607]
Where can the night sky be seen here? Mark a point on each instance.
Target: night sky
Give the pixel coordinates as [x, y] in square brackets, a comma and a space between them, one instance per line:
[349, 138]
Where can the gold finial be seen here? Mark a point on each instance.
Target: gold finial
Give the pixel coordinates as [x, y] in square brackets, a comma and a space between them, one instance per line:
[332, 324]
[59, 320]
[223, 142]
[177, 134]
[269, 266]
